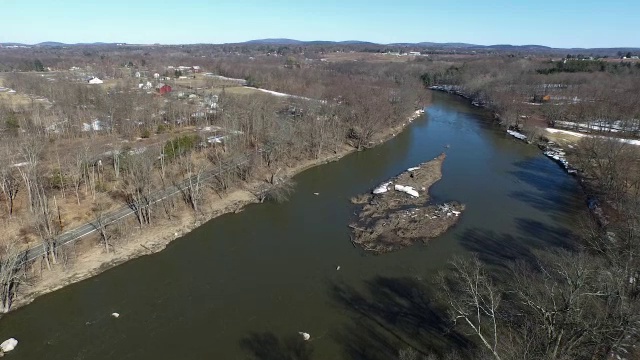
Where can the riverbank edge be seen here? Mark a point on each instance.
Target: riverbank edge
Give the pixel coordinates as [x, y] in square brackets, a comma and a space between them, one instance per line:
[94, 261]
[590, 192]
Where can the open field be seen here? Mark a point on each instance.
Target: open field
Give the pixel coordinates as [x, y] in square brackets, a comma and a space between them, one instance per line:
[200, 80]
[12, 100]
[366, 57]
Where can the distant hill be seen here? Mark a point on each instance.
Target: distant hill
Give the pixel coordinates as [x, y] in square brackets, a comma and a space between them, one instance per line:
[275, 42]
[538, 49]
[13, 44]
[50, 43]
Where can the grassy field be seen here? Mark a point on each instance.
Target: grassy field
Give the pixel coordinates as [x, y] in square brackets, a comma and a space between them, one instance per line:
[561, 138]
[366, 57]
[202, 81]
[239, 90]
[15, 100]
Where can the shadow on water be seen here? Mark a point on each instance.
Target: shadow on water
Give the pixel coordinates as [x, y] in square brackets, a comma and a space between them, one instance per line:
[392, 314]
[499, 250]
[554, 193]
[243, 285]
[267, 346]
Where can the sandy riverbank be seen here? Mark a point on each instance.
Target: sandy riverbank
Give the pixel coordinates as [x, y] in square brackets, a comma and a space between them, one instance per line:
[152, 239]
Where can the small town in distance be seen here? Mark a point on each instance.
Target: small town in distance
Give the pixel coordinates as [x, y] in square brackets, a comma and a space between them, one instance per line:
[239, 186]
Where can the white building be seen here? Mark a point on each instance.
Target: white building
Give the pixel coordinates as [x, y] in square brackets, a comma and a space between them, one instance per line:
[95, 80]
[96, 125]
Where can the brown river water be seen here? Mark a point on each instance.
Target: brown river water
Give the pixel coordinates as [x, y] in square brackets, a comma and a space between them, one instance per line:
[243, 285]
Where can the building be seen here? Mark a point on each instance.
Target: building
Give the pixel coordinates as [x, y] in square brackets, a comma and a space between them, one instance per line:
[95, 125]
[163, 88]
[95, 80]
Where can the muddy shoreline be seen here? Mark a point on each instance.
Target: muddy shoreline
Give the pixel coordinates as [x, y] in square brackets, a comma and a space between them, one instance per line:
[153, 239]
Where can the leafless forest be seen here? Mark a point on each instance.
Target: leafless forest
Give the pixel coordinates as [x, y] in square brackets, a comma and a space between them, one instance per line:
[71, 152]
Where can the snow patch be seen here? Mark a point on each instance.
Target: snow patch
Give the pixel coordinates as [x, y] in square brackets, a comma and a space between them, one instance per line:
[9, 345]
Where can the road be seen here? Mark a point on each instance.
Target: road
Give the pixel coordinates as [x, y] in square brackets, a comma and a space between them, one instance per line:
[70, 236]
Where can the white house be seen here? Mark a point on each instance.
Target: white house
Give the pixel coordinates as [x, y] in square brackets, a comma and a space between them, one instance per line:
[137, 74]
[156, 75]
[96, 125]
[95, 80]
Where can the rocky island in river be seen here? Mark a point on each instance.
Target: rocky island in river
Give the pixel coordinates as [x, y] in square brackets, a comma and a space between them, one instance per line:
[397, 213]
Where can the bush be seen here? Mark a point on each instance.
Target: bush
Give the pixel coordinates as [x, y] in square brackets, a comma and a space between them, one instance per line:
[58, 180]
[12, 123]
[145, 134]
[180, 145]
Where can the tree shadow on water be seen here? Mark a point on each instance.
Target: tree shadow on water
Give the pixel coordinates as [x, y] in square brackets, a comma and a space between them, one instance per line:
[267, 346]
[501, 250]
[553, 193]
[549, 202]
[392, 314]
[545, 236]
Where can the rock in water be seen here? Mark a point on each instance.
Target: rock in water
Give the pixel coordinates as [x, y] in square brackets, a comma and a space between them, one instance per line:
[115, 315]
[305, 336]
[9, 345]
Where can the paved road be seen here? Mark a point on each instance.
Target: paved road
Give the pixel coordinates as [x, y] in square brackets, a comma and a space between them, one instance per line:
[116, 215]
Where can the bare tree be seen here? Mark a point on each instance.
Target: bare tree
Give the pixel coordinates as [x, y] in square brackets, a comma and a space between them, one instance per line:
[473, 301]
[191, 185]
[75, 170]
[10, 274]
[100, 223]
[137, 186]
[10, 185]
[45, 224]
[30, 149]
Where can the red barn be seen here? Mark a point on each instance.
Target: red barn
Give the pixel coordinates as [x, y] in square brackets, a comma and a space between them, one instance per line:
[163, 89]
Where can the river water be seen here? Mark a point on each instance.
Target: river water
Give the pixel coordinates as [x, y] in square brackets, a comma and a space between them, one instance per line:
[243, 285]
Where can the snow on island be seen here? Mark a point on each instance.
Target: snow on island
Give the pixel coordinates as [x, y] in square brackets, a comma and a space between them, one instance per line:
[396, 215]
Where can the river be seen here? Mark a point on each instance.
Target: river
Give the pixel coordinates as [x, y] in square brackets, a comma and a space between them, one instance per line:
[242, 285]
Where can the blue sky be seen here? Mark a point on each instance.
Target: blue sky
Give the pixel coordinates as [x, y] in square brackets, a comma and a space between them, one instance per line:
[559, 23]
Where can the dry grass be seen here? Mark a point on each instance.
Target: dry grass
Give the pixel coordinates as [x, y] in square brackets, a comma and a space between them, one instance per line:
[366, 57]
[14, 101]
[242, 90]
[561, 138]
[202, 81]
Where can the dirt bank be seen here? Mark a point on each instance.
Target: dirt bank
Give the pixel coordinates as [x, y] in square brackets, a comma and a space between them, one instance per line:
[396, 214]
[92, 260]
